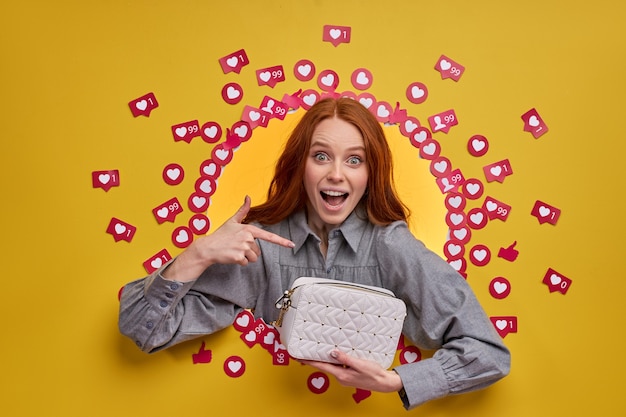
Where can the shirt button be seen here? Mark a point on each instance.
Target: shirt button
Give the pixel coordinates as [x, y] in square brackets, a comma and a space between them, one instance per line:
[169, 295]
[173, 286]
[163, 303]
[149, 325]
[328, 270]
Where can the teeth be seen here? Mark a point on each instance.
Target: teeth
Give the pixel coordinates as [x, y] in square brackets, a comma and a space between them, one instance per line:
[333, 193]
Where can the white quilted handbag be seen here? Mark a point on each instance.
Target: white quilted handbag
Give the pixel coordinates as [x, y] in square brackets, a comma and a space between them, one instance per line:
[319, 315]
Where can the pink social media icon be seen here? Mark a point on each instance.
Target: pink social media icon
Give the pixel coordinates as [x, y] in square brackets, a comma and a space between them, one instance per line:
[182, 237]
[318, 382]
[534, 124]
[509, 253]
[234, 62]
[461, 233]
[173, 174]
[157, 260]
[121, 230]
[455, 201]
[449, 68]
[477, 218]
[383, 111]
[328, 80]
[209, 168]
[498, 171]
[280, 356]
[504, 324]
[234, 366]
[304, 70]
[255, 117]
[419, 136]
[276, 109]
[308, 98]
[477, 145]
[545, 213]
[243, 321]
[453, 249]
[232, 93]
[430, 149]
[167, 211]
[496, 209]
[270, 76]
[367, 100]
[336, 34]
[105, 179]
[417, 92]
[455, 219]
[409, 125]
[205, 186]
[442, 122]
[143, 105]
[362, 79]
[198, 203]
[199, 224]
[556, 281]
[440, 167]
[473, 189]
[203, 355]
[499, 288]
[211, 132]
[479, 255]
[186, 131]
[450, 182]
[410, 354]
[221, 155]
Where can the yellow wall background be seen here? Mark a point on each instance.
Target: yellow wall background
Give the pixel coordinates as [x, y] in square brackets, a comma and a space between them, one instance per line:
[68, 70]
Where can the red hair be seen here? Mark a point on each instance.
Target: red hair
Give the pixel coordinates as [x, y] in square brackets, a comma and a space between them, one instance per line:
[286, 193]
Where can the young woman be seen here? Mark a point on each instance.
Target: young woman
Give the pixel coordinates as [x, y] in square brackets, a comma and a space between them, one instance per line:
[332, 211]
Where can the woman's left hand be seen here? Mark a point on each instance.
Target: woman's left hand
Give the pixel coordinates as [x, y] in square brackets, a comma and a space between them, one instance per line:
[359, 373]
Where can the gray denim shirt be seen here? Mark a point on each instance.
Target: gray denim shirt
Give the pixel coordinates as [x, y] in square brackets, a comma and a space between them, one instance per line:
[443, 313]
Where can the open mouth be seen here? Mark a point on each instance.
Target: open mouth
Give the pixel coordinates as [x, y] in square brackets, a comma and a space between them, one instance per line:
[334, 198]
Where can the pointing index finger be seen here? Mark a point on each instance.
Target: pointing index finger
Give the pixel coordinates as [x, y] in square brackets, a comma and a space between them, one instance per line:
[272, 238]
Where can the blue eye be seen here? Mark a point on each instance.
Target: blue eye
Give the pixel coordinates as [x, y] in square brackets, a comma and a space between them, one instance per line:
[320, 156]
[354, 160]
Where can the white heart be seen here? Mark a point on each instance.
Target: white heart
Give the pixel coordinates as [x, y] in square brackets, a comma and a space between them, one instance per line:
[417, 92]
[318, 382]
[141, 105]
[544, 211]
[472, 188]
[221, 154]
[211, 132]
[366, 102]
[382, 111]
[241, 131]
[232, 61]
[460, 233]
[328, 80]
[156, 263]
[335, 33]
[232, 92]
[210, 169]
[410, 126]
[491, 206]
[441, 166]
[182, 236]
[181, 131]
[500, 287]
[304, 70]
[104, 178]
[200, 224]
[501, 324]
[162, 212]
[454, 249]
[455, 201]
[445, 65]
[251, 336]
[429, 149]
[173, 173]
[456, 219]
[478, 145]
[410, 357]
[120, 228]
[555, 279]
[198, 201]
[269, 339]
[243, 321]
[206, 186]
[254, 115]
[265, 76]
[480, 254]
[234, 366]
[310, 99]
[533, 121]
[362, 79]
[496, 171]
[456, 264]
[476, 218]
[421, 136]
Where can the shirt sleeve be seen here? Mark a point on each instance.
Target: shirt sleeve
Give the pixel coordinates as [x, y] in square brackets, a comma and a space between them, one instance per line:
[157, 313]
[443, 314]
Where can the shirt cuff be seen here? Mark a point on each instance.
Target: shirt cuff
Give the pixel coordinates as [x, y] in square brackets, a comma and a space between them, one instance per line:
[422, 381]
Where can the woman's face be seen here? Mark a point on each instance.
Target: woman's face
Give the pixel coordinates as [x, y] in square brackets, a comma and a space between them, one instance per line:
[335, 174]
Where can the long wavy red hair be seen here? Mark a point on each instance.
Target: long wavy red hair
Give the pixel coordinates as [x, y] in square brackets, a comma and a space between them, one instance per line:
[286, 193]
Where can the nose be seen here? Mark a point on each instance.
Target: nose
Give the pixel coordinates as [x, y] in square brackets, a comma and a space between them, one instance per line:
[335, 172]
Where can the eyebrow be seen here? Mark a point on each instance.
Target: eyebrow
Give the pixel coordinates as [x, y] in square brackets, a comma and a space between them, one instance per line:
[323, 143]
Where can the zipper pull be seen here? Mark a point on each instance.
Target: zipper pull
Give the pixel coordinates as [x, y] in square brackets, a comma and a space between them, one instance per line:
[283, 303]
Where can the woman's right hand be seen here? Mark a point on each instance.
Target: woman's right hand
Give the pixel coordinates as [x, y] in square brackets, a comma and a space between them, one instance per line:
[232, 243]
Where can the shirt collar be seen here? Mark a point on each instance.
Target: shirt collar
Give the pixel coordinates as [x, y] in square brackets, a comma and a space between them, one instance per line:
[352, 228]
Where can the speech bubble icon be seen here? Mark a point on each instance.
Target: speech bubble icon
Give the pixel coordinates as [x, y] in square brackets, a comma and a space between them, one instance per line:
[534, 124]
[143, 105]
[105, 179]
[234, 62]
[449, 68]
[336, 34]
[545, 213]
[556, 281]
[504, 324]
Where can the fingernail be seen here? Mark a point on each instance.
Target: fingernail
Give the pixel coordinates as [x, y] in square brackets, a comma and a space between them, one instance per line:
[333, 354]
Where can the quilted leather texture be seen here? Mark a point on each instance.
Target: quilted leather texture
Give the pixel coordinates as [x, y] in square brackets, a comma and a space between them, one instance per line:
[358, 322]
